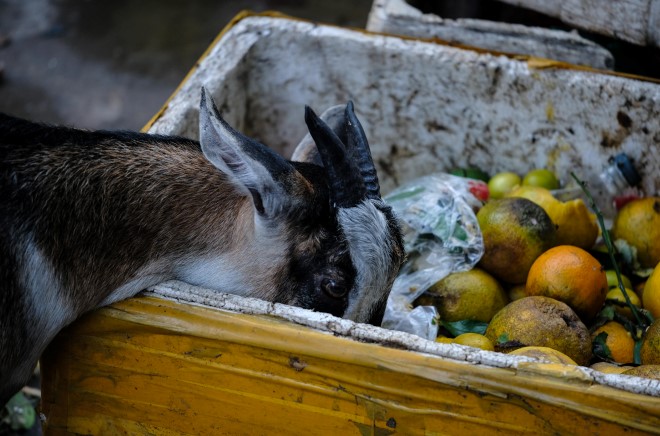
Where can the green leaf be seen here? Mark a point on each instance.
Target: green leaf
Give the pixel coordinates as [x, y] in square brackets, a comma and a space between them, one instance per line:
[637, 359]
[600, 348]
[606, 314]
[471, 173]
[627, 252]
[456, 328]
[20, 413]
[402, 195]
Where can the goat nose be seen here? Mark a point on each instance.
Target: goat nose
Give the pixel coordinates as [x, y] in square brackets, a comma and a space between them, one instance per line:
[333, 288]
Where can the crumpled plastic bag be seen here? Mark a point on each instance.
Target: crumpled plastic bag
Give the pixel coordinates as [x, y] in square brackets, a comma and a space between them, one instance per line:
[441, 236]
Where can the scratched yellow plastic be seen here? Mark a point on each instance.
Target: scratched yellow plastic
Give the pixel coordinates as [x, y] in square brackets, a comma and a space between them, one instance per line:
[151, 366]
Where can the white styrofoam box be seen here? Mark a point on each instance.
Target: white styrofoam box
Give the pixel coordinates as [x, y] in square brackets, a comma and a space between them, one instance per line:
[636, 21]
[400, 18]
[425, 107]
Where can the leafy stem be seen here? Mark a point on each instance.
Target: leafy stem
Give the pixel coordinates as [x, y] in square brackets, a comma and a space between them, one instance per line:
[610, 250]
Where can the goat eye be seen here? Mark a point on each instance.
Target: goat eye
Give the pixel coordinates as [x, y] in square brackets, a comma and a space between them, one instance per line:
[332, 288]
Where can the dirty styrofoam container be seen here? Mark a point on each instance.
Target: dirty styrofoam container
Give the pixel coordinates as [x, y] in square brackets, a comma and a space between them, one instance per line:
[401, 18]
[636, 21]
[182, 359]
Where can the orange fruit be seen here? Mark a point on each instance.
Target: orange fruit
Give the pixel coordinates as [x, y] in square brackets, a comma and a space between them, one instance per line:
[610, 368]
[650, 352]
[547, 353]
[638, 223]
[576, 225]
[474, 340]
[542, 322]
[639, 290]
[646, 371]
[571, 275]
[619, 341]
[613, 281]
[537, 194]
[651, 293]
[516, 292]
[615, 294]
[515, 232]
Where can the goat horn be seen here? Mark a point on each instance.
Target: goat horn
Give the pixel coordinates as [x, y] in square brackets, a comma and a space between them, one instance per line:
[346, 186]
[359, 149]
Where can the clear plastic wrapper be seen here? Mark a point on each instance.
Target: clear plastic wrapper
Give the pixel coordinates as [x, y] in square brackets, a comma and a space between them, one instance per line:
[441, 236]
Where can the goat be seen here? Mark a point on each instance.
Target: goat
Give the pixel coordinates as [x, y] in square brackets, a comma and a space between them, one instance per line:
[90, 218]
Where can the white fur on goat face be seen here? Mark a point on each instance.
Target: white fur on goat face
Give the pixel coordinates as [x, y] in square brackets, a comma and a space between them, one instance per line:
[337, 141]
[368, 232]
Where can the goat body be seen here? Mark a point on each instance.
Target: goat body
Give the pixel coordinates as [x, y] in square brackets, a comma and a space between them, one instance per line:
[89, 218]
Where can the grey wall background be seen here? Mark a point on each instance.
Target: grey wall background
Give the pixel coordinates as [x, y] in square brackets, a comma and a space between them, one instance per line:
[111, 64]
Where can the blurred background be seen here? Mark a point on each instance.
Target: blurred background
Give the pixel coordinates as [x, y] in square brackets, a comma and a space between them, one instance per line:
[112, 64]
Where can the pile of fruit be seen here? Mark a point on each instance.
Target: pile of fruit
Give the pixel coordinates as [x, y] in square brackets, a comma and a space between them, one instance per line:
[550, 284]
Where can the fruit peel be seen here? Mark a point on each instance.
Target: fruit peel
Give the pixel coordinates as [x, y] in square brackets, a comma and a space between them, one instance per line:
[576, 224]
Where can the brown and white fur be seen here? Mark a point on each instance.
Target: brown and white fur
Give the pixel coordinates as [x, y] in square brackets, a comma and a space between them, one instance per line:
[90, 218]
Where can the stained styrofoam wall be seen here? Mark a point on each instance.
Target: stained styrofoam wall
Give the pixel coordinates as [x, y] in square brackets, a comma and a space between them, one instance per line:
[425, 107]
[400, 18]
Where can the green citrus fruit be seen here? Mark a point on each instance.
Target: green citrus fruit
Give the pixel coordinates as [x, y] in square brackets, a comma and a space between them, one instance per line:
[612, 281]
[501, 183]
[473, 295]
[542, 178]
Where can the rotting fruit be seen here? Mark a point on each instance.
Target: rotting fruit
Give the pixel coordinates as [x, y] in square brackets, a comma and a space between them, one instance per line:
[472, 294]
[638, 223]
[515, 232]
[540, 321]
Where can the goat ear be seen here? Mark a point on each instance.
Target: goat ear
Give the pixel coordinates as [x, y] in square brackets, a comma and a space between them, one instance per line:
[251, 166]
[306, 150]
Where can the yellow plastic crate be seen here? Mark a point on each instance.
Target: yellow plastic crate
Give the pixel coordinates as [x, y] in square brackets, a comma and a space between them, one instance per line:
[153, 366]
[228, 365]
